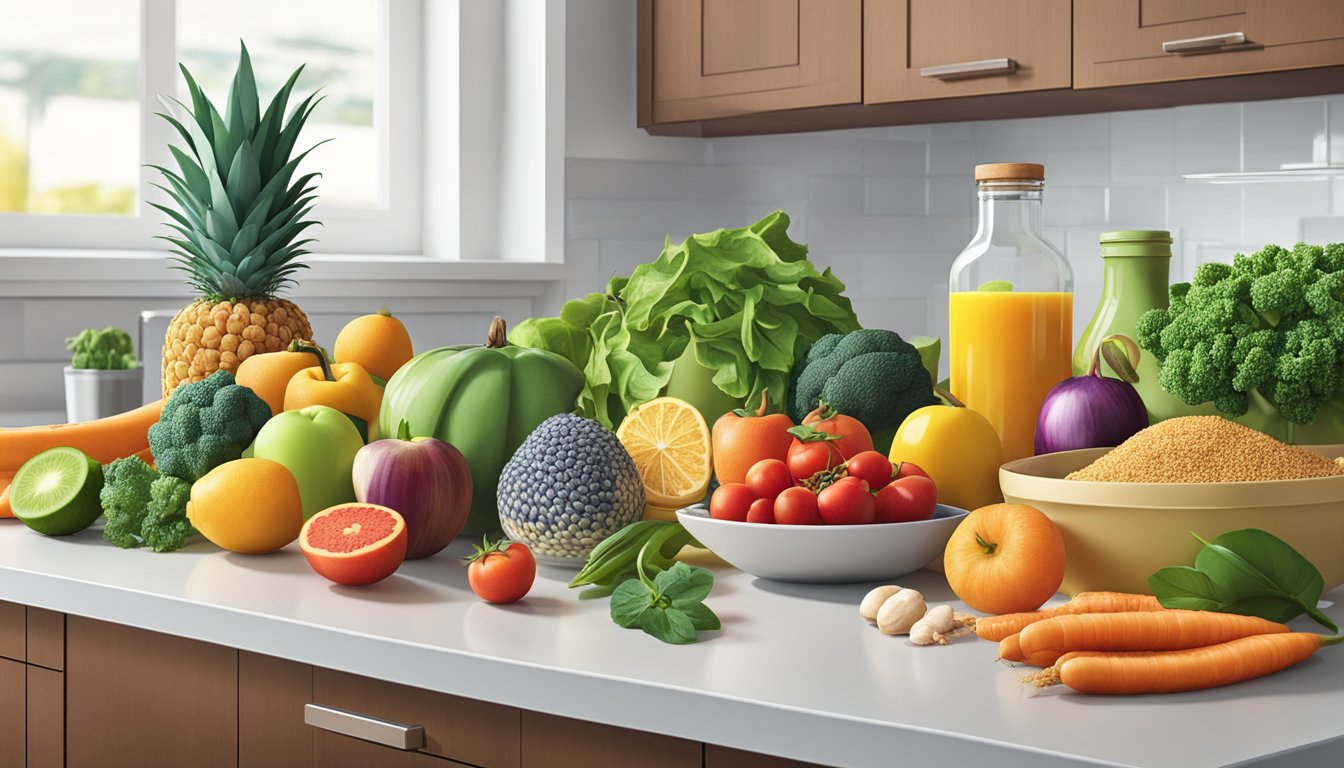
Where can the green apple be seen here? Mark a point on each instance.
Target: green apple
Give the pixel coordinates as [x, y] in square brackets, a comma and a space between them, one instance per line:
[318, 445]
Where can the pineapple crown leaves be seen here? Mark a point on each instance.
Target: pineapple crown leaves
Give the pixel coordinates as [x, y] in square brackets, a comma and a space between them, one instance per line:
[240, 210]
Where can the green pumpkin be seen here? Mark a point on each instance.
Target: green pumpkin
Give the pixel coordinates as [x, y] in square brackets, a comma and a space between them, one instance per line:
[484, 400]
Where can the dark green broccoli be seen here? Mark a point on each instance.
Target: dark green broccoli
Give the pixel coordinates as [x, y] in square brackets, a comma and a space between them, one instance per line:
[1270, 322]
[109, 349]
[204, 424]
[873, 375]
[166, 527]
[125, 498]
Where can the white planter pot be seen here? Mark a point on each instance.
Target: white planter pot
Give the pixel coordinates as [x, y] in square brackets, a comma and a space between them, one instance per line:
[91, 394]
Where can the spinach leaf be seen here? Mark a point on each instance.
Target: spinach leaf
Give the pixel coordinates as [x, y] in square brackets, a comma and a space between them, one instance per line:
[669, 607]
[1249, 572]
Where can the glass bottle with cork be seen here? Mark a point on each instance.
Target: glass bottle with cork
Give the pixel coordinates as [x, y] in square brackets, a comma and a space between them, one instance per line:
[1010, 307]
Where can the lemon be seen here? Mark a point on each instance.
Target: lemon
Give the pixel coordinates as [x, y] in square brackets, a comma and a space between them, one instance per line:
[248, 505]
[669, 442]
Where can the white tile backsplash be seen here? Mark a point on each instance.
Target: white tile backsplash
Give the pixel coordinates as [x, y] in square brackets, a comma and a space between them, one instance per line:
[889, 208]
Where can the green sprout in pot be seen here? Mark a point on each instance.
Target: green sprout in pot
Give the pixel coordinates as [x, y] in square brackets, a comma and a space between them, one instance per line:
[106, 349]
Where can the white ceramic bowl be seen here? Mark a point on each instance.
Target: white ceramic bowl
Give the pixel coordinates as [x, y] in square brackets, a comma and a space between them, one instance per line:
[833, 554]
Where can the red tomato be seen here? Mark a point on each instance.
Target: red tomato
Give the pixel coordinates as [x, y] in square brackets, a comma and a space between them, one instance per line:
[872, 467]
[731, 502]
[768, 478]
[762, 511]
[502, 572]
[797, 506]
[907, 469]
[906, 499]
[808, 457]
[848, 502]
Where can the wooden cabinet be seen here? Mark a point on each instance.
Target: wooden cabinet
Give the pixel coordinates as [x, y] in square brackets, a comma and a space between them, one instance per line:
[46, 718]
[938, 49]
[32, 687]
[559, 742]
[1125, 42]
[13, 702]
[723, 757]
[731, 57]
[271, 696]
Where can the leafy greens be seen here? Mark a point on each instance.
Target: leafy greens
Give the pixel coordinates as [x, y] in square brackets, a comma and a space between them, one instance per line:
[748, 298]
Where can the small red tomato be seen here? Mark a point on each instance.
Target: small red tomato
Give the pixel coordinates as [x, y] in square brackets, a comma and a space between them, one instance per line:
[501, 572]
[768, 478]
[907, 469]
[797, 506]
[807, 459]
[731, 502]
[762, 511]
[873, 467]
[848, 502]
[906, 499]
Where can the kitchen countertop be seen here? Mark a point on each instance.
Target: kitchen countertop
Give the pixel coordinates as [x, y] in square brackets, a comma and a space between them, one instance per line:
[794, 672]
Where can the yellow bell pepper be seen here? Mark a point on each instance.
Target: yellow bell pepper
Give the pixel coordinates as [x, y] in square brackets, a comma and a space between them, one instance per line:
[347, 387]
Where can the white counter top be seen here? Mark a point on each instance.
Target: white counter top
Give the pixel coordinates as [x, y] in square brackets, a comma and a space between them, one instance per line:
[794, 672]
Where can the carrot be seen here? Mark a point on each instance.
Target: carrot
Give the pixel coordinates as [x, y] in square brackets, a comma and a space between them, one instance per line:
[998, 627]
[104, 440]
[1191, 669]
[1168, 630]
[1010, 649]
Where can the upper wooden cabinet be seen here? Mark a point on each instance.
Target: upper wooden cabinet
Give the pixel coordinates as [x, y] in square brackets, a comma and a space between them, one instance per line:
[705, 59]
[1126, 42]
[938, 49]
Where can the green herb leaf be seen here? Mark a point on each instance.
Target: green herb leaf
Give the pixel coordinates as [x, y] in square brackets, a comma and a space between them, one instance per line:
[669, 625]
[629, 602]
[702, 618]
[683, 585]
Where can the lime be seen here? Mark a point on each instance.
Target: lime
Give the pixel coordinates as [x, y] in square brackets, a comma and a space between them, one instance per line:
[996, 285]
[56, 492]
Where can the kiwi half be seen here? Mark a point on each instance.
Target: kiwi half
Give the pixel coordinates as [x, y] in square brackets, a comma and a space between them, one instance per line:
[56, 492]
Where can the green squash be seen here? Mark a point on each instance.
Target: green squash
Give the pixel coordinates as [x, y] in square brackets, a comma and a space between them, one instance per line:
[484, 400]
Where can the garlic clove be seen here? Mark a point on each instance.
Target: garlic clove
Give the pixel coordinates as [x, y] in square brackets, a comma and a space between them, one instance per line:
[900, 612]
[874, 600]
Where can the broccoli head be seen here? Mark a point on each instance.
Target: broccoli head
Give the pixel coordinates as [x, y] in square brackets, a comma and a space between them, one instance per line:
[166, 527]
[125, 498]
[204, 424]
[1271, 322]
[873, 375]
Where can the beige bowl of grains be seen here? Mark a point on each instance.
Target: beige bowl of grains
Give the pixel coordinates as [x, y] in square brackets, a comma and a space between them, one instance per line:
[1134, 509]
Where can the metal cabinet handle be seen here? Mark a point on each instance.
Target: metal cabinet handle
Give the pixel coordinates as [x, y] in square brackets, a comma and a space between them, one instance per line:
[968, 69]
[377, 730]
[1206, 44]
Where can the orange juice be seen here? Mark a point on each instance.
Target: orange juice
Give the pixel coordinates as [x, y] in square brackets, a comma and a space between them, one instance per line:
[1007, 349]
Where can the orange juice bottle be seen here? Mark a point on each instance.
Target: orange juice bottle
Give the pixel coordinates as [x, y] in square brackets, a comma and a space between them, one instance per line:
[1010, 307]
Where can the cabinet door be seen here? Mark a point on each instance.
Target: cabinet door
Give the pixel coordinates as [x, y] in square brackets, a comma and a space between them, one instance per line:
[13, 725]
[706, 59]
[1124, 42]
[560, 742]
[271, 695]
[335, 751]
[136, 698]
[13, 631]
[46, 718]
[935, 49]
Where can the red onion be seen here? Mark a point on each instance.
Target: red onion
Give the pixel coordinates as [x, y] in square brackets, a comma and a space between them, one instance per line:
[1094, 411]
[424, 479]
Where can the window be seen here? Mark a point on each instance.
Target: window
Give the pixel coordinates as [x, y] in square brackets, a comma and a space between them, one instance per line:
[80, 82]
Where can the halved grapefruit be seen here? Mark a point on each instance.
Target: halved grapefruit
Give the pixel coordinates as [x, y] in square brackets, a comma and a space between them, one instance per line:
[354, 544]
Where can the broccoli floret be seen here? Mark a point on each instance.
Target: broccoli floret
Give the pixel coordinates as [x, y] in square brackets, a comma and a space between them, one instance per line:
[873, 375]
[205, 424]
[109, 349]
[125, 498]
[166, 527]
[1271, 321]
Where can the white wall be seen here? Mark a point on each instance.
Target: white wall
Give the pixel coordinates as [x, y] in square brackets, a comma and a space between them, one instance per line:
[889, 208]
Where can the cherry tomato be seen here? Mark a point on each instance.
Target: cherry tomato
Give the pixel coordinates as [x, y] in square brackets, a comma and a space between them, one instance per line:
[768, 478]
[762, 511]
[808, 457]
[906, 499]
[502, 572]
[797, 506]
[907, 469]
[873, 467]
[848, 502]
[731, 502]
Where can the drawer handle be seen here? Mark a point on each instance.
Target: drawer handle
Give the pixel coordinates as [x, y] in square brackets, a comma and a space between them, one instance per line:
[1206, 44]
[377, 730]
[968, 69]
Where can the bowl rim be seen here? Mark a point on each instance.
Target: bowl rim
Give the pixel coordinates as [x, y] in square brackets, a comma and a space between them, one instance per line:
[700, 513]
[1017, 481]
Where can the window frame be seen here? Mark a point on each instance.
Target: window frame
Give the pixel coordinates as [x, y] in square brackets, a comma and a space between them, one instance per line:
[395, 228]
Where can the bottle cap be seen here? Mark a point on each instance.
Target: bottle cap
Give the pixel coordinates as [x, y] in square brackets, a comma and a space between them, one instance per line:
[1136, 236]
[1136, 242]
[1010, 172]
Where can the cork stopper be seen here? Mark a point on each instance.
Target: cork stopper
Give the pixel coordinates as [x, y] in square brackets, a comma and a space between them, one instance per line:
[1010, 172]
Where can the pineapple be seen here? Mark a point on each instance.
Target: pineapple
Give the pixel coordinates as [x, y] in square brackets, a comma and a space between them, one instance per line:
[239, 212]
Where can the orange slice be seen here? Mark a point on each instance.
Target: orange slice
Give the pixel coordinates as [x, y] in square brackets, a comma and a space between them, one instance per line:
[669, 441]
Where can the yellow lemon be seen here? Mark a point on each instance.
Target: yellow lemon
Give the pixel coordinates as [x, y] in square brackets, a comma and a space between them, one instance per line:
[669, 441]
[249, 505]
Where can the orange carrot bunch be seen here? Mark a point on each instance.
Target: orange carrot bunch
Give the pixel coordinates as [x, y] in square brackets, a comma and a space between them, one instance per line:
[996, 628]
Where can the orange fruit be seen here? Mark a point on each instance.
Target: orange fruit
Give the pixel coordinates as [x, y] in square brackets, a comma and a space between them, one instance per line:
[247, 505]
[379, 342]
[669, 442]
[354, 544]
[1005, 558]
[268, 374]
